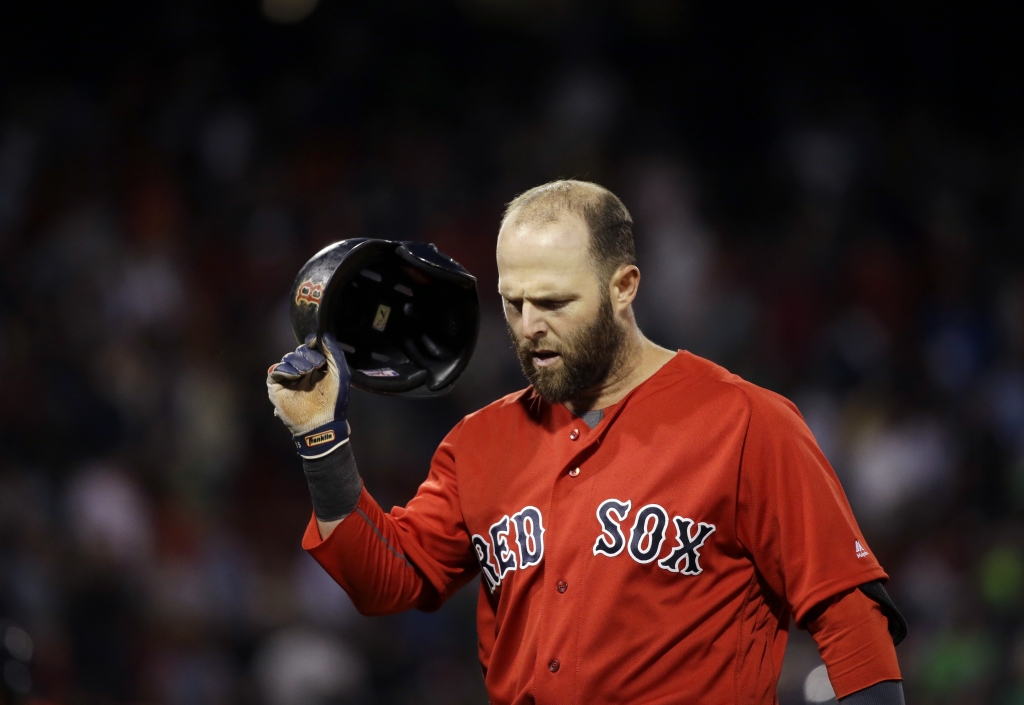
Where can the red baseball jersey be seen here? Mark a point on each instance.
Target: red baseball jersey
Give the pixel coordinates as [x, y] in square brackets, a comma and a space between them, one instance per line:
[656, 558]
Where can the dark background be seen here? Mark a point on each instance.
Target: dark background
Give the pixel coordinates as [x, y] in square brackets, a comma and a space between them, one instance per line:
[828, 202]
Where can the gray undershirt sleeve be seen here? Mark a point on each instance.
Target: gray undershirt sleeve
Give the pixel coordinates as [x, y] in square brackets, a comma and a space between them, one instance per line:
[884, 693]
[334, 484]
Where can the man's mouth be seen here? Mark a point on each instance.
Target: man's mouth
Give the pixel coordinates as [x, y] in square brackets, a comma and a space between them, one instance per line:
[544, 358]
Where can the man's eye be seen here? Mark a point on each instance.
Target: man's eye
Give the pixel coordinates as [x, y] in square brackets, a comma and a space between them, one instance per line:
[517, 305]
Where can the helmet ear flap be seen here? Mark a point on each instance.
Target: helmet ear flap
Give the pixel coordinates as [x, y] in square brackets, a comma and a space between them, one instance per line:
[405, 315]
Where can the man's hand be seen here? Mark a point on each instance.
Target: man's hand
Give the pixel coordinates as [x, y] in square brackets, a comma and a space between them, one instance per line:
[309, 391]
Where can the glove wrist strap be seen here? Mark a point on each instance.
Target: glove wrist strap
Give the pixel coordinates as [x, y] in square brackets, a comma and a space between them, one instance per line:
[322, 440]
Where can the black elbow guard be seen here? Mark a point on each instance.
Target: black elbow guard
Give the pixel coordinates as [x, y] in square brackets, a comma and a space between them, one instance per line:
[897, 623]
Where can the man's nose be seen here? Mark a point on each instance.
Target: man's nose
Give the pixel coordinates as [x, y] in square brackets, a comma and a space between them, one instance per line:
[533, 322]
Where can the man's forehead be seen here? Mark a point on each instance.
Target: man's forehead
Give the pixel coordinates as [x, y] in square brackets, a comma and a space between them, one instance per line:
[524, 242]
[544, 277]
[543, 259]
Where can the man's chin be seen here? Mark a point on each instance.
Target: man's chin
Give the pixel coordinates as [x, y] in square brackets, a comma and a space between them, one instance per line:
[548, 384]
[548, 373]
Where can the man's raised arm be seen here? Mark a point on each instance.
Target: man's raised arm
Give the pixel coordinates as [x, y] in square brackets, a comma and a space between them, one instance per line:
[412, 557]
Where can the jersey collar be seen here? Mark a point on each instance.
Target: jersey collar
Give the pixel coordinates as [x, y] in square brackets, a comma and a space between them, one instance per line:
[558, 417]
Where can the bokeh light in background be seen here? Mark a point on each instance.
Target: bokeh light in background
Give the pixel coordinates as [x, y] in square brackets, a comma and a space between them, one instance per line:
[288, 11]
[829, 202]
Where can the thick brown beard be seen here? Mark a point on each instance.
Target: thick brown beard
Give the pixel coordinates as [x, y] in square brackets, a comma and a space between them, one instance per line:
[589, 356]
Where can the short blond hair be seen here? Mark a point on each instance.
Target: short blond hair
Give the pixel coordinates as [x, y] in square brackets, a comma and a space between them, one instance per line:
[606, 217]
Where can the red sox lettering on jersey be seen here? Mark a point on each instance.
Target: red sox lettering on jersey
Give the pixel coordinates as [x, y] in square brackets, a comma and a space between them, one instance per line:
[646, 538]
[658, 557]
[497, 558]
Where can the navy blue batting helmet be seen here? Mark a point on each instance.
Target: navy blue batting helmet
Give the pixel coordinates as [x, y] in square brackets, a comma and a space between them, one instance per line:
[406, 315]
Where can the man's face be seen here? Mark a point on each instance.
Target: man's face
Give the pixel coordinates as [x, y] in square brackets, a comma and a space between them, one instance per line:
[559, 314]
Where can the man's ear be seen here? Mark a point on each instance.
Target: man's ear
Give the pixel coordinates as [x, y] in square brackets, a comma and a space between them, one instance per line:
[624, 285]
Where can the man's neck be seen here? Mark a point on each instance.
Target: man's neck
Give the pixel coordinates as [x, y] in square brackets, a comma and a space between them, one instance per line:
[638, 364]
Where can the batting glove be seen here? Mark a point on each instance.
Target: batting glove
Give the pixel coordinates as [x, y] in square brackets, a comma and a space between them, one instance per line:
[309, 391]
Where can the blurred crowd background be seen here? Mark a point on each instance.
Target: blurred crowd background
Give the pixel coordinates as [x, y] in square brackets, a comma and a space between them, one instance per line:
[828, 202]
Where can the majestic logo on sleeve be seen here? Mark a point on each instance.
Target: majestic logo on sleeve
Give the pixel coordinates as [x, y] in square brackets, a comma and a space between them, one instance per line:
[502, 553]
[648, 534]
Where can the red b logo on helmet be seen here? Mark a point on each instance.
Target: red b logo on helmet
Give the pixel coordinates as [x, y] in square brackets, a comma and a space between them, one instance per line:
[310, 293]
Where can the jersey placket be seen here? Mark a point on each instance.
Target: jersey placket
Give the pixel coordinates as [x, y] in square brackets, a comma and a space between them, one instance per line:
[564, 586]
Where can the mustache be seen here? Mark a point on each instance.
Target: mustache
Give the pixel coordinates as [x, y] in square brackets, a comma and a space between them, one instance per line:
[528, 346]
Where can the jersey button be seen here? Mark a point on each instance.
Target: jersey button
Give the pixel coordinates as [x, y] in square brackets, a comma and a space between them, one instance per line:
[574, 472]
[554, 665]
[574, 435]
[561, 586]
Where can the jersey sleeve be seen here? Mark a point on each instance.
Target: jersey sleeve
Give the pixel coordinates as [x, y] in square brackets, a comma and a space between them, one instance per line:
[853, 639]
[793, 516]
[411, 557]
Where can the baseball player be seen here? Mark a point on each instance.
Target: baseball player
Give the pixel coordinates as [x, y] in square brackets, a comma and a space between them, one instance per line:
[645, 524]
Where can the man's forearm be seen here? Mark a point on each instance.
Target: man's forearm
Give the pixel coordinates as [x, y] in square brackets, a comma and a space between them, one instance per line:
[309, 390]
[364, 555]
[334, 487]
